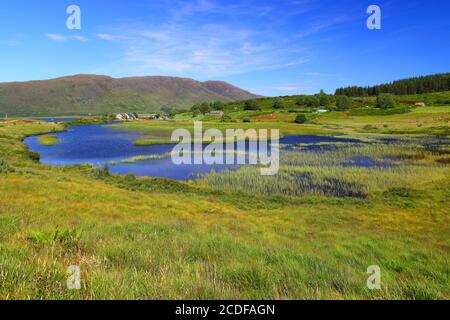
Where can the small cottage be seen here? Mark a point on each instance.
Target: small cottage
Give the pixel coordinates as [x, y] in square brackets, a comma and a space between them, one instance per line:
[126, 116]
[217, 113]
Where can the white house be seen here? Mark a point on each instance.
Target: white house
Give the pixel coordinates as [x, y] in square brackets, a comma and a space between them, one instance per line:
[125, 116]
[217, 113]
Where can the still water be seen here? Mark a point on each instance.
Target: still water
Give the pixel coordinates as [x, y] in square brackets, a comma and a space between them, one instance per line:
[100, 144]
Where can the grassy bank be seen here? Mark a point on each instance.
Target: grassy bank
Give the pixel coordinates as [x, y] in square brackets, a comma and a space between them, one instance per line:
[226, 237]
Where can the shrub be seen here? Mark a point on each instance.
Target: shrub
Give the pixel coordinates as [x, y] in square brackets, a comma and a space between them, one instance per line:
[225, 118]
[369, 127]
[343, 103]
[102, 172]
[246, 120]
[385, 101]
[301, 118]
[34, 156]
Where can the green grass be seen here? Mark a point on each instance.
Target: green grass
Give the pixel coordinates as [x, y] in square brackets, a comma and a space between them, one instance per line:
[48, 140]
[235, 235]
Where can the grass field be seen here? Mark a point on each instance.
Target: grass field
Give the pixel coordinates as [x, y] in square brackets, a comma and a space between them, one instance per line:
[235, 235]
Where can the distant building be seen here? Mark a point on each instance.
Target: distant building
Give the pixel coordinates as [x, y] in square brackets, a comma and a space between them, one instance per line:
[126, 116]
[217, 113]
[414, 103]
[322, 111]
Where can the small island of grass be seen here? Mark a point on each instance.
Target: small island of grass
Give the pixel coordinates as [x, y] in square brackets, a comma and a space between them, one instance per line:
[48, 140]
[151, 142]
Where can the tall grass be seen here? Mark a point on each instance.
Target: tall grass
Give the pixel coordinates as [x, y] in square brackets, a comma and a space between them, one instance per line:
[4, 167]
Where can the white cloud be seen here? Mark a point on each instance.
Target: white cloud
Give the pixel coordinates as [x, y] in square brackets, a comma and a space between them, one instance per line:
[321, 26]
[208, 50]
[55, 37]
[80, 38]
[106, 36]
[250, 37]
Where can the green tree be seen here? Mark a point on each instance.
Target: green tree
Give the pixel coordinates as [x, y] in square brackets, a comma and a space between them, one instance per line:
[195, 108]
[205, 108]
[218, 105]
[251, 105]
[202, 108]
[278, 104]
[301, 101]
[385, 101]
[301, 118]
[418, 85]
[324, 99]
[343, 103]
[312, 101]
[166, 109]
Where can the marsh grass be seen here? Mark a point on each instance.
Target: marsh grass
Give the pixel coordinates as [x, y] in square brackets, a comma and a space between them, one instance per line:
[331, 172]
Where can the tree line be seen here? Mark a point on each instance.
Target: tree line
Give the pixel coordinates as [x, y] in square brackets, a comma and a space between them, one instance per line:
[417, 85]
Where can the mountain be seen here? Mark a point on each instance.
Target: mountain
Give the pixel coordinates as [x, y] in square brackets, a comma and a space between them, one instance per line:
[84, 94]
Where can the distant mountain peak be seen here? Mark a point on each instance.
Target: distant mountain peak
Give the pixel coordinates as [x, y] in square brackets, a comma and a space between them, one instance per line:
[97, 94]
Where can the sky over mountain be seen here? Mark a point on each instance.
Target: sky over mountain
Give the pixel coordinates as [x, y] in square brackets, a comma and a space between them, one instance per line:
[267, 47]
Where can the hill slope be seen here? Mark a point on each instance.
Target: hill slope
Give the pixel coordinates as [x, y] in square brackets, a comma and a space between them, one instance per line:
[83, 94]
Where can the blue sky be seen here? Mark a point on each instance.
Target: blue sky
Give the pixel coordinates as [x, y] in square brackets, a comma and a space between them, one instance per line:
[281, 47]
